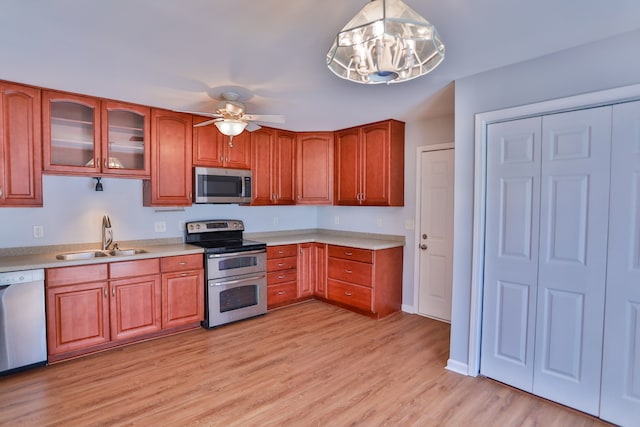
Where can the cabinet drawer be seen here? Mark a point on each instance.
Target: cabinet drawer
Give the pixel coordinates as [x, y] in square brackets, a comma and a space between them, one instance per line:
[350, 271]
[141, 267]
[182, 262]
[281, 251]
[353, 295]
[281, 293]
[78, 274]
[282, 276]
[345, 252]
[282, 263]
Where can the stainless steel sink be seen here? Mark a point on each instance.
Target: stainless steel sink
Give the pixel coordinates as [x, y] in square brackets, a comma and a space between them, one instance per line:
[124, 252]
[81, 255]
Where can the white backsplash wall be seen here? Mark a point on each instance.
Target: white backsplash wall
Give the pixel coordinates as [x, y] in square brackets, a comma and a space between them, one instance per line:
[73, 211]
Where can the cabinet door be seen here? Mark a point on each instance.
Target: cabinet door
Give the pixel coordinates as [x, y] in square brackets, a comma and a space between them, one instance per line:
[207, 144]
[306, 270]
[375, 165]
[171, 174]
[284, 168]
[125, 139]
[71, 133]
[237, 156]
[182, 298]
[262, 142]
[347, 167]
[77, 317]
[314, 165]
[20, 146]
[135, 306]
[320, 261]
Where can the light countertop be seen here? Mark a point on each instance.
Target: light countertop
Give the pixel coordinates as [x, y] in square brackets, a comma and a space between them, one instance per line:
[332, 237]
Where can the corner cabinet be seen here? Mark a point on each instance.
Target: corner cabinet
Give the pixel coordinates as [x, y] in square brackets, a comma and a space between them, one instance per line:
[369, 165]
[20, 146]
[86, 136]
[211, 148]
[314, 168]
[171, 160]
[272, 163]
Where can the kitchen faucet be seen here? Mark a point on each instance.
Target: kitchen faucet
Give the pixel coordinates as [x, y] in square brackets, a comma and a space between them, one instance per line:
[107, 233]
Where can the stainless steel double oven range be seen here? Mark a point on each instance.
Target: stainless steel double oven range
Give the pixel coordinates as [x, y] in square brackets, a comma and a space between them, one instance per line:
[235, 271]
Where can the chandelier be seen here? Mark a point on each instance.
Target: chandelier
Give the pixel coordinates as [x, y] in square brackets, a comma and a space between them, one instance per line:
[386, 42]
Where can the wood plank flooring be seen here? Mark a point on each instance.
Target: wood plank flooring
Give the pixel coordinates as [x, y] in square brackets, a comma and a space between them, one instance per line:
[307, 365]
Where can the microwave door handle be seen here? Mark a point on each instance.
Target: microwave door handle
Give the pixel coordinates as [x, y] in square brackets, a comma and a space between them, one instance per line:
[233, 282]
[260, 251]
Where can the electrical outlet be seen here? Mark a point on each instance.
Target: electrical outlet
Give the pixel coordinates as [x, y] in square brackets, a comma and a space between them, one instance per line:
[38, 231]
[181, 226]
[160, 226]
[409, 224]
[275, 220]
[336, 219]
[379, 222]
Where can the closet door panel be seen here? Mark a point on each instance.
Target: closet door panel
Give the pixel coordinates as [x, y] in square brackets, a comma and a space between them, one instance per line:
[572, 260]
[620, 401]
[511, 251]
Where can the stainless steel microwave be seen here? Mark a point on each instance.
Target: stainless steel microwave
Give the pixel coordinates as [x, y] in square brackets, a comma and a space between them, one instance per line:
[221, 185]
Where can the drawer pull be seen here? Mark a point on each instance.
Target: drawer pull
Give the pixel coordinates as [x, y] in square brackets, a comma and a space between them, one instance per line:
[184, 274]
[348, 253]
[280, 252]
[281, 276]
[282, 292]
[182, 263]
[281, 264]
[349, 271]
[348, 293]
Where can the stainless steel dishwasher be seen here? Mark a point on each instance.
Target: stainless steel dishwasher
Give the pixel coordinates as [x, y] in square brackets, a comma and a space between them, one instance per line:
[23, 337]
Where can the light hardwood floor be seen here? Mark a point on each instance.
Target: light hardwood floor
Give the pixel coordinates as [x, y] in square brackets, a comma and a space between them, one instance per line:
[307, 365]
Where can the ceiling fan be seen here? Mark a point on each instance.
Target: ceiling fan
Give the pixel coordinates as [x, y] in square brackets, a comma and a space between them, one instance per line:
[231, 118]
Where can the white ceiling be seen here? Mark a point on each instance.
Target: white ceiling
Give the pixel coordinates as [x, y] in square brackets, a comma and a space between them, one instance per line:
[178, 54]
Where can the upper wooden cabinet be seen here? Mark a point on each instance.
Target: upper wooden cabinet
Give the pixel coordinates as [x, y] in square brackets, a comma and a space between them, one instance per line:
[369, 165]
[86, 136]
[211, 148]
[272, 165]
[314, 168]
[171, 160]
[20, 146]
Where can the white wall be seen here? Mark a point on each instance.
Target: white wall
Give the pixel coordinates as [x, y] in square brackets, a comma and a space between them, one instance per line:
[597, 66]
[73, 210]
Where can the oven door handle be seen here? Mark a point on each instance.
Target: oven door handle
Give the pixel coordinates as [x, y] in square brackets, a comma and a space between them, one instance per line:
[233, 282]
[259, 251]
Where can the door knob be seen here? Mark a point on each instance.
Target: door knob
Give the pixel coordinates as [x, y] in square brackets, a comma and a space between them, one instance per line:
[423, 247]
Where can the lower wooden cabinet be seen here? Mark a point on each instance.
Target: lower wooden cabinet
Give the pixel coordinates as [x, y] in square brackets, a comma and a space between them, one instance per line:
[94, 307]
[282, 275]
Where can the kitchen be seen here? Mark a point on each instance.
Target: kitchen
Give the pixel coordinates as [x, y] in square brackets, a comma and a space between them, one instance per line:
[73, 209]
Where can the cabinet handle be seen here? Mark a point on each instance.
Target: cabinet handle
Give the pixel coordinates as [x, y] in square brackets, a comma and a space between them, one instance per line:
[105, 162]
[227, 159]
[221, 159]
[280, 252]
[348, 293]
[0, 191]
[184, 274]
[349, 271]
[106, 294]
[113, 291]
[281, 264]
[281, 276]
[348, 253]
[299, 197]
[282, 292]
[182, 263]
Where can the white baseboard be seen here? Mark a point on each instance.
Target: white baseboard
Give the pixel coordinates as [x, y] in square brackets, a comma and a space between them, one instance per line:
[457, 367]
[408, 309]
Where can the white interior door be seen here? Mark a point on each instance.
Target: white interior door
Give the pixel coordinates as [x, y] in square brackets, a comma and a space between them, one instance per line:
[436, 234]
[620, 393]
[574, 212]
[511, 251]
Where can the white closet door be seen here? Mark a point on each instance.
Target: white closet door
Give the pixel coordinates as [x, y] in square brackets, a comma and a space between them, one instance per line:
[620, 402]
[572, 261]
[511, 251]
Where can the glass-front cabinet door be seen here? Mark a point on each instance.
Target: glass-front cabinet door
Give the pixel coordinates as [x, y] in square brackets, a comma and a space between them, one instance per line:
[125, 139]
[71, 133]
[88, 136]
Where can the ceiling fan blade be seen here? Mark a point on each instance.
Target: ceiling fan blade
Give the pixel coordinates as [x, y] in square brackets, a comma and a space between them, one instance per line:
[202, 113]
[271, 118]
[252, 126]
[208, 122]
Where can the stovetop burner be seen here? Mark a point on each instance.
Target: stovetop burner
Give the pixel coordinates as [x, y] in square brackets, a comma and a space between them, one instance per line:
[220, 236]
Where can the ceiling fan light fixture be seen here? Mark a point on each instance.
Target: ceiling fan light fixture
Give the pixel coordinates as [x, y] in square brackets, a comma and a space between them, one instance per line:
[231, 127]
[386, 42]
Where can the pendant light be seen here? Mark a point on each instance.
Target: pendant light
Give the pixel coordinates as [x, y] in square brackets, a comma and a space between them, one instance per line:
[386, 42]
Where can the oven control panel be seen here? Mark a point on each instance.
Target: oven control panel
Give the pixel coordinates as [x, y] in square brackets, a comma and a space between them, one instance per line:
[215, 226]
